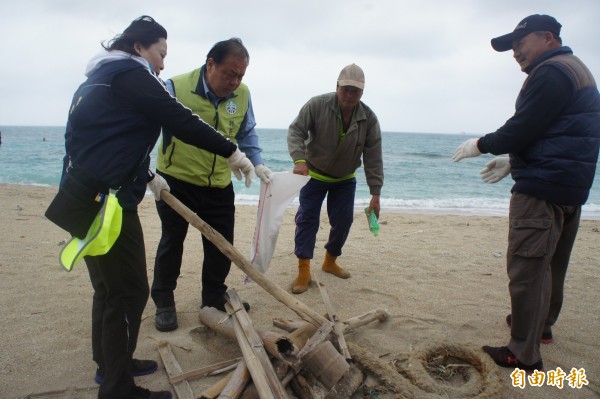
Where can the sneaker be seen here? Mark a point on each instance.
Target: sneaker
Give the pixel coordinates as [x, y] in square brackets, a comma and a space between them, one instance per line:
[504, 357]
[138, 369]
[143, 393]
[166, 319]
[546, 336]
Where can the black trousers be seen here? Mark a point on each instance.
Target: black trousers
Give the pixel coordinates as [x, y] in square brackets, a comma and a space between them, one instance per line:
[216, 207]
[121, 291]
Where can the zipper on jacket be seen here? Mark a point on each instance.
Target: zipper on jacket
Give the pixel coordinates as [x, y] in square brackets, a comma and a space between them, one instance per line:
[214, 163]
[170, 156]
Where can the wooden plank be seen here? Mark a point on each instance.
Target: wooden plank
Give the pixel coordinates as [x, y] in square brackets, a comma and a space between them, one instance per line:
[182, 388]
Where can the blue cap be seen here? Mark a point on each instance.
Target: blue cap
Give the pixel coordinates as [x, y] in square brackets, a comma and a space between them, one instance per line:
[533, 23]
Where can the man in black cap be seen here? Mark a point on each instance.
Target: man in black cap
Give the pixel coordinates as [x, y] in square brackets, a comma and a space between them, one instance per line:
[552, 141]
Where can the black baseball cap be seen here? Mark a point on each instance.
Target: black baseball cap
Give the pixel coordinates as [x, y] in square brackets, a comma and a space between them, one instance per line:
[533, 23]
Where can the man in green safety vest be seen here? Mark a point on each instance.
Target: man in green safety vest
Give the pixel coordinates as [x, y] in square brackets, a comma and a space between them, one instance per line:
[201, 179]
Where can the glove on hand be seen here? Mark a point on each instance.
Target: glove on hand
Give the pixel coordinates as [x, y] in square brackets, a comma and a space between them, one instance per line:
[263, 173]
[495, 170]
[468, 149]
[240, 164]
[157, 184]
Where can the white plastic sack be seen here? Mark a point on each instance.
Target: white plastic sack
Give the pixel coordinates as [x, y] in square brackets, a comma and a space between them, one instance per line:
[274, 199]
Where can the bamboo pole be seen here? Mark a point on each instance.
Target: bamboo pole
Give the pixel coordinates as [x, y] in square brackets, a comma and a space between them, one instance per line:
[288, 325]
[258, 374]
[201, 372]
[359, 321]
[334, 318]
[257, 359]
[305, 312]
[250, 391]
[278, 345]
[349, 325]
[350, 382]
[237, 382]
[214, 390]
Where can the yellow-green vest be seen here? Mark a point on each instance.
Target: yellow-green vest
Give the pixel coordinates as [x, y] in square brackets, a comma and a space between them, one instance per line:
[192, 164]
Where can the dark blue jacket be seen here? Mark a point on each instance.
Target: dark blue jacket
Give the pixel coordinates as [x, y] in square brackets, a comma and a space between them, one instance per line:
[554, 137]
[115, 120]
[108, 138]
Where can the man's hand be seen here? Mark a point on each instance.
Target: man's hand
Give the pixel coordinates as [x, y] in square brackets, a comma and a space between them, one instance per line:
[300, 168]
[468, 149]
[240, 164]
[263, 173]
[495, 170]
[157, 184]
[375, 205]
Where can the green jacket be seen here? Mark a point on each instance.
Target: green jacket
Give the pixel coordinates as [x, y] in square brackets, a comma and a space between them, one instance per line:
[192, 164]
[314, 137]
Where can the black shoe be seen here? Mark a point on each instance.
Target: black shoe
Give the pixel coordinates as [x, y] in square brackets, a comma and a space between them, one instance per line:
[221, 306]
[546, 336]
[166, 319]
[138, 369]
[143, 393]
[504, 357]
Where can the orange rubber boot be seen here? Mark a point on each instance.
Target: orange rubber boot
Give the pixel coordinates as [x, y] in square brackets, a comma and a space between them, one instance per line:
[329, 266]
[303, 279]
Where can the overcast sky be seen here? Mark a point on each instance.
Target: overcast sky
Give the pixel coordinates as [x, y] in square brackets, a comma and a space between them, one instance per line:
[429, 65]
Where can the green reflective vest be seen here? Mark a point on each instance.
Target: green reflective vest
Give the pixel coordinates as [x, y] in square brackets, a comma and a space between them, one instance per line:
[192, 164]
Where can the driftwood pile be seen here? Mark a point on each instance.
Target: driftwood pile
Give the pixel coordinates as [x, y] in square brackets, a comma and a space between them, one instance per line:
[311, 360]
[303, 362]
[308, 347]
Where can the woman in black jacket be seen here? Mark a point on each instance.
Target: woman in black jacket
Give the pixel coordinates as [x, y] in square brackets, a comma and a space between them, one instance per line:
[114, 121]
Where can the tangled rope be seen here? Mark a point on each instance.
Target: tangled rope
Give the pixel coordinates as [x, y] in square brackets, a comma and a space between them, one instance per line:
[435, 371]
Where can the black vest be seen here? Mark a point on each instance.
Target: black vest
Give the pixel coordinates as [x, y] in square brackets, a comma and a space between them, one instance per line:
[560, 167]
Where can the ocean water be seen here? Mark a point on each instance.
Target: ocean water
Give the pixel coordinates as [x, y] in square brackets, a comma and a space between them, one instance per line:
[420, 177]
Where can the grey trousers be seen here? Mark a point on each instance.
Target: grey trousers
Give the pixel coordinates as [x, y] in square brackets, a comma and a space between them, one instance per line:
[540, 239]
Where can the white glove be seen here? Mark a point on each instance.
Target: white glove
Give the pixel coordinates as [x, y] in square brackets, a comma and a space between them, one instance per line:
[240, 164]
[495, 170]
[157, 184]
[263, 173]
[468, 149]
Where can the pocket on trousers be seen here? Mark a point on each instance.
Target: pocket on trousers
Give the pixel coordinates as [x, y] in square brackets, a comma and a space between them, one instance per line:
[529, 238]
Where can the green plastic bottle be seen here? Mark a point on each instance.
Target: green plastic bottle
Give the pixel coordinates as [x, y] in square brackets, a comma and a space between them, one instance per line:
[372, 219]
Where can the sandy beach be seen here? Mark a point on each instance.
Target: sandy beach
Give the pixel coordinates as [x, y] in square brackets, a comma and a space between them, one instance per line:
[441, 278]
